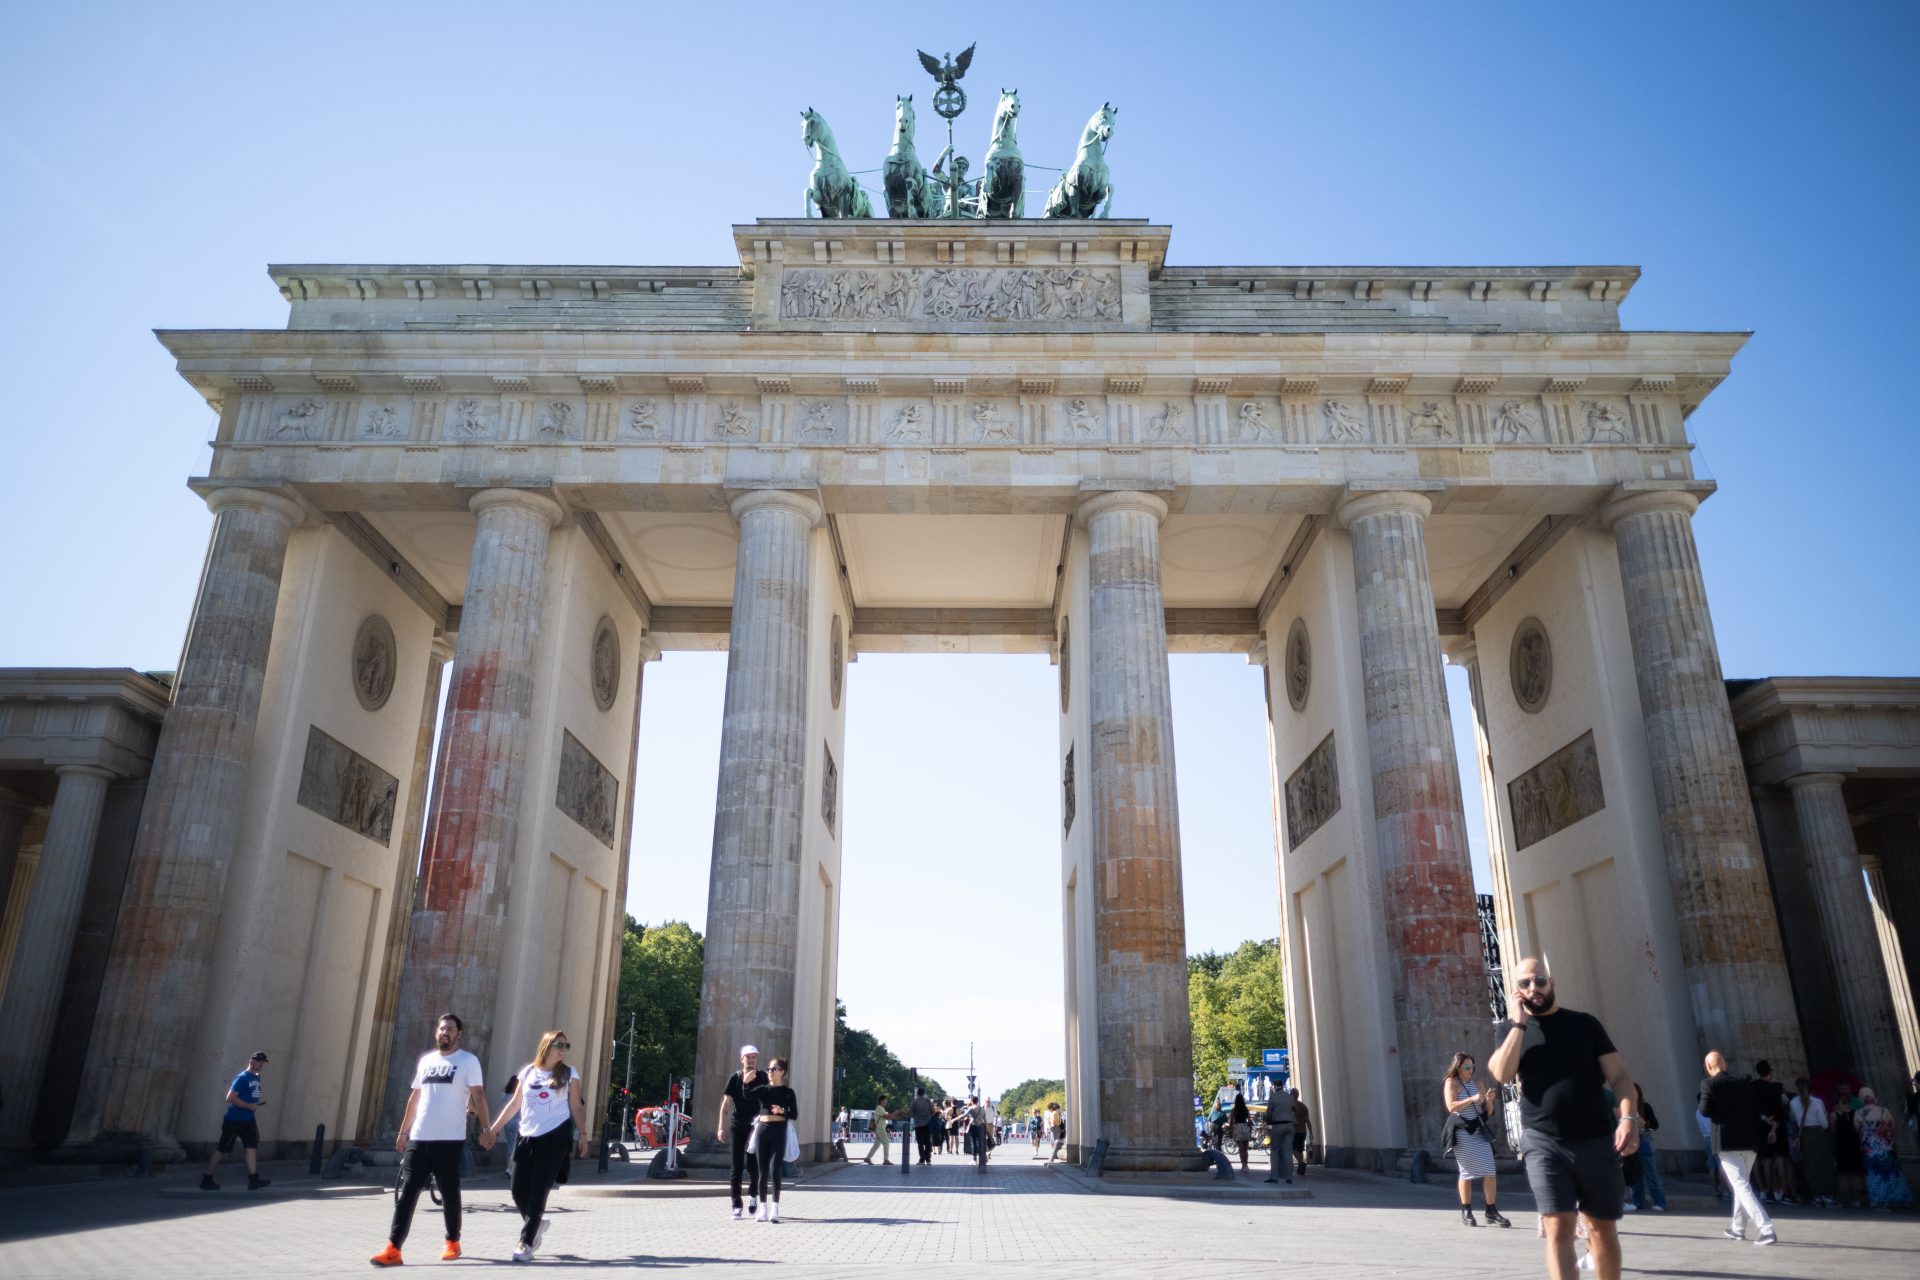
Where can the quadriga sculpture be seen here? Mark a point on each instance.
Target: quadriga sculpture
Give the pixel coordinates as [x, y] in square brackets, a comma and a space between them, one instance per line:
[910, 192]
[1086, 189]
[831, 190]
[1003, 188]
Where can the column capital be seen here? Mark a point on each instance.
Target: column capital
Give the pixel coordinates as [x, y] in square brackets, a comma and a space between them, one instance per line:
[648, 650]
[529, 500]
[1639, 502]
[441, 648]
[84, 771]
[1100, 504]
[272, 501]
[1461, 651]
[1800, 780]
[796, 500]
[1356, 506]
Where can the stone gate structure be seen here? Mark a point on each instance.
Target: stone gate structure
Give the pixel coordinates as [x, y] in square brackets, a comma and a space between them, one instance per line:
[872, 436]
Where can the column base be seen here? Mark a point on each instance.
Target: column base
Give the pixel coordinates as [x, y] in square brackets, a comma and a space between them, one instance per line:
[1121, 1159]
[120, 1148]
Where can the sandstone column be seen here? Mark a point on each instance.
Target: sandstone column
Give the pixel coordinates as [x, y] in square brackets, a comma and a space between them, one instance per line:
[375, 1093]
[1898, 838]
[753, 894]
[1722, 902]
[1852, 938]
[39, 974]
[1420, 829]
[156, 979]
[1139, 921]
[456, 938]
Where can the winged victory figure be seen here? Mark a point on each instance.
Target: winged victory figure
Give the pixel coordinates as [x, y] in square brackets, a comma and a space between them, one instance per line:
[954, 68]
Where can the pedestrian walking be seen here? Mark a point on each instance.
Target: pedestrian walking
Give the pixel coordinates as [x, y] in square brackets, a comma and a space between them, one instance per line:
[1735, 1111]
[1035, 1126]
[1280, 1136]
[1302, 1127]
[779, 1110]
[738, 1106]
[552, 1118]
[1571, 1144]
[921, 1112]
[447, 1086]
[1057, 1129]
[1813, 1142]
[1240, 1125]
[882, 1141]
[1469, 1140]
[1886, 1185]
[240, 1124]
[1646, 1187]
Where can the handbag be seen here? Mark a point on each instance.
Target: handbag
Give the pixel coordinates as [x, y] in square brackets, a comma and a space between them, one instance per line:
[792, 1154]
[1242, 1132]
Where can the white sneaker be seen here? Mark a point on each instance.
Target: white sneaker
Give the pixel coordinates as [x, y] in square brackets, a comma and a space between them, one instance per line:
[1731, 1234]
[736, 1213]
[764, 1209]
[1586, 1262]
[776, 1212]
[540, 1233]
[1630, 1207]
[523, 1254]
[1659, 1208]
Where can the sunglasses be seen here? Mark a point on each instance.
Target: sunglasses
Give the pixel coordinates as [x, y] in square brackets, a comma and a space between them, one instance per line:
[1539, 984]
[561, 1045]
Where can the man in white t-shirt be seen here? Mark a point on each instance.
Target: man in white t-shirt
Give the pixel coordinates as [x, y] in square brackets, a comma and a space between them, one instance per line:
[433, 1134]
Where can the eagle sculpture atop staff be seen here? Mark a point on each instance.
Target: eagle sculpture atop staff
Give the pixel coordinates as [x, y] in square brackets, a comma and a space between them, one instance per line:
[949, 99]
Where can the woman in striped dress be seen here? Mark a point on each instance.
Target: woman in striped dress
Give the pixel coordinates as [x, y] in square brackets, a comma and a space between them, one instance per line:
[1468, 1139]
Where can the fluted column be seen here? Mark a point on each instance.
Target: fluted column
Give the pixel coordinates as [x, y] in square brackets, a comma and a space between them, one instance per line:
[1736, 967]
[1847, 925]
[14, 813]
[456, 938]
[1139, 920]
[753, 894]
[1898, 837]
[155, 984]
[38, 977]
[380, 1090]
[1420, 829]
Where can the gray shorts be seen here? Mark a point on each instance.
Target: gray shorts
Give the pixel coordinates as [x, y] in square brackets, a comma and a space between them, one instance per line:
[1570, 1176]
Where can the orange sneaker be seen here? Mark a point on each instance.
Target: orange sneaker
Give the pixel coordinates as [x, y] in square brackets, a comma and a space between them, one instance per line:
[451, 1252]
[387, 1257]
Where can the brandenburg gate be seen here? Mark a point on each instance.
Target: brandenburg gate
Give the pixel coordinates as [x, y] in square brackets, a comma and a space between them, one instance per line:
[931, 435]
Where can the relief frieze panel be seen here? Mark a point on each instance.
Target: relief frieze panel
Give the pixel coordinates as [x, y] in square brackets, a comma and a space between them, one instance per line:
[587, 791]
[1009, 295]
[1313, 793]
[1556, 793]
[345, 787]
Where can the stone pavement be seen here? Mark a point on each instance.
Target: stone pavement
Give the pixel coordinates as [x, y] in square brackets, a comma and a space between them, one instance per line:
[1019, 1218]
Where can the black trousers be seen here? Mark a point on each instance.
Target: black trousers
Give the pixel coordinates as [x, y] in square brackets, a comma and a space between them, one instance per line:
[422, 1160]
[737, 1140]
[770, 1156]
[536, 1167]
[924, 1136]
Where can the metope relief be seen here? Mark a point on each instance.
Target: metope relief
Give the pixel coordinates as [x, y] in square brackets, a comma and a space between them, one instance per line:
[587, 791]
[301, 421]
[1556, 793]
[381, 423]
[556, 421]
[1084, 420]
[1606, 424]
[1516, 421]
[732, 422]
[1430, 421]
[374, 658]
[1253, 422]
[1299, 668]
[909, 423]
[467, 420]
[1313, 794]
[1168, 424]
[991, 422]
[345, 787]
[604, 663]
[1345, 425]
[644, 420]
[1530, 662]
[816, 420]
[1004, 294]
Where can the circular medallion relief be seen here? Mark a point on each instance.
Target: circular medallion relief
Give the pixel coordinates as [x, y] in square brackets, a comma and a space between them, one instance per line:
[605, 660]
[373, 661]
[1066, 663]
[1299, 672]
[836, 663]
[1531, 665]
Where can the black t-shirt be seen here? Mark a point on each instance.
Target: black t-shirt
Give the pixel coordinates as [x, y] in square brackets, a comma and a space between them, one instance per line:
[769, 1096]
[746, 1102]
[1733, 1103]
[1561, 1084]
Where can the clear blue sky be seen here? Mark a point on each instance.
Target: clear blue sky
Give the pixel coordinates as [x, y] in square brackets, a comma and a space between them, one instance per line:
[1756, 159]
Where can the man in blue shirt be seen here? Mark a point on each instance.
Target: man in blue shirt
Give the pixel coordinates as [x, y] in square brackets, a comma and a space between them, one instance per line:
[239, 1125]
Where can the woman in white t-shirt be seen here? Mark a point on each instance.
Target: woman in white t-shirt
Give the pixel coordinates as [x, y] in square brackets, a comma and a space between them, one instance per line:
[550, 1113]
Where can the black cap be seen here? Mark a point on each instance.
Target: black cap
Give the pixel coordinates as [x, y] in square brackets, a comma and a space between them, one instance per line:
[259, 1055]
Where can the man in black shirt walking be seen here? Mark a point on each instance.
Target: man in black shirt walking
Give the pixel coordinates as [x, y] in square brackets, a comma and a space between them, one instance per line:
[1730, 1101]
[1570, 1142]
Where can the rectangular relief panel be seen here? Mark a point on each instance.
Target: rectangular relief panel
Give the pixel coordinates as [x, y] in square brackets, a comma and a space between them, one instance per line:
[1313, 793]
[1556, 793]
[587, 792]
[343, 786]
[829, 789]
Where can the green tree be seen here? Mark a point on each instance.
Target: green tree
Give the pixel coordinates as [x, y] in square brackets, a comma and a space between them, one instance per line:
[1238, 1004]
[867, 1069]
[1018, 1102]
[660, 1000]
